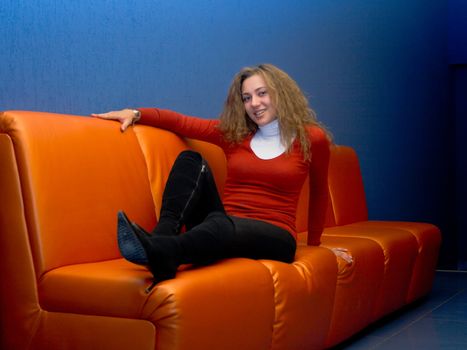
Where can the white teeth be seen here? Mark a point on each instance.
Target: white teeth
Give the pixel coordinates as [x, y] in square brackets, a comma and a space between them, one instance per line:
[259, 113]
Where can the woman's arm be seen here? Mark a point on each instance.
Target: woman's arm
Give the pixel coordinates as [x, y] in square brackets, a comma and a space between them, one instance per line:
[183, 125]
[186, 126]
[319, 192]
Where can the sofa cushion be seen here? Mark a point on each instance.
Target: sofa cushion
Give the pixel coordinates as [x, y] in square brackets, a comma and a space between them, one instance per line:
[346, 191]
[358, 285]
[75, 174]
[347, 203]
[303, 297]
[191, 310]
[160, 149]
[428, 238]
[400, 250]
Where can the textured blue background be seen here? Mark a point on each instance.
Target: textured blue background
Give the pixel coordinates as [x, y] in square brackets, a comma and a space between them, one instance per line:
[376, 72]
[457, 50]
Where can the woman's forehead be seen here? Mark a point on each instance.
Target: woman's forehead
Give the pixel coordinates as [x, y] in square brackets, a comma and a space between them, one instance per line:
[253, 83]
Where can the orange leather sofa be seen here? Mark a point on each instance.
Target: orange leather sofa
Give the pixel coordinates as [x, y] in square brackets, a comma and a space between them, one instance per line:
[65, 286]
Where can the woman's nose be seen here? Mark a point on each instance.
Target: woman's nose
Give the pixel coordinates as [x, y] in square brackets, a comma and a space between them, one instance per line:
[254, 101]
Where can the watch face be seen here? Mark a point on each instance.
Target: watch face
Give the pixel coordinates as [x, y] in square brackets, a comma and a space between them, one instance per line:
[136, 113]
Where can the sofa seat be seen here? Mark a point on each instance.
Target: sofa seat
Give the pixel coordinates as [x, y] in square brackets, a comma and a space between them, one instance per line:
[116, 288]
[428, 238]
[303, 298]
[358, 285]
[400, 250]
[108, 288]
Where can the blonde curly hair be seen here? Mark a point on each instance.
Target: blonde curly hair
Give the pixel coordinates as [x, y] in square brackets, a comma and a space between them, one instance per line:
[293, 110]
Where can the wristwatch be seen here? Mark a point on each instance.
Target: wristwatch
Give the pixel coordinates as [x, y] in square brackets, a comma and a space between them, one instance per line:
[137, 116]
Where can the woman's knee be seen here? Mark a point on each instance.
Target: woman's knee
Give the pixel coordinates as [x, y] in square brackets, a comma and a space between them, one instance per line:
[222, 222]
[190, 155]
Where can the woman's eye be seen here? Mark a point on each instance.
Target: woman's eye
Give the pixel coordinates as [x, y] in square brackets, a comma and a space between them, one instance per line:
[246, 98]
[262, 93]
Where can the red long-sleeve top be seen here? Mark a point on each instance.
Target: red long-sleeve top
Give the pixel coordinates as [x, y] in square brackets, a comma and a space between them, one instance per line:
[255, 188]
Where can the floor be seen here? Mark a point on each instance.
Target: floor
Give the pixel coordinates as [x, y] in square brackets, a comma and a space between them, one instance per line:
[439, 321]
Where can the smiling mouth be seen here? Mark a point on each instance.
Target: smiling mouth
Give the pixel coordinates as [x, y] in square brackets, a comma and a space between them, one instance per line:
[259, 113]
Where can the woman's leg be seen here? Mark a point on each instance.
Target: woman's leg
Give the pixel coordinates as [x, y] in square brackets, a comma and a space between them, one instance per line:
[209, 241]
[203, 244]
[218, 236]
[256, 239]
[190, 198]
[190, 194]
[221, 236]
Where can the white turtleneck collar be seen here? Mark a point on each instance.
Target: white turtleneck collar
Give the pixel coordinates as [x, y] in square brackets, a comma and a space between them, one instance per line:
[266, 143]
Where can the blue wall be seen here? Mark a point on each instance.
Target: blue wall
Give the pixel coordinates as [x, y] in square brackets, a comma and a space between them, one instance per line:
[457, 27]
[376, 72]
[457, 54]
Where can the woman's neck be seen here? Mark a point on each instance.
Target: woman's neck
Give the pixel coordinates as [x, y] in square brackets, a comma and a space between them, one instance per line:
[266, 142]
[269, 130]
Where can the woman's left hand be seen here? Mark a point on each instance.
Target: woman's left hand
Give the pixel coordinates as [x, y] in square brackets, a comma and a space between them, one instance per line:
[126, 117]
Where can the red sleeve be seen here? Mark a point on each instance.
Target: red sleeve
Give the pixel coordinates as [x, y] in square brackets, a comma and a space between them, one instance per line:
[185, 126]
[319, 193]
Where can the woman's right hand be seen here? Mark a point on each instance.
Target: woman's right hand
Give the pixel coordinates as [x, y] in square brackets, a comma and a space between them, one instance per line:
[126, 117]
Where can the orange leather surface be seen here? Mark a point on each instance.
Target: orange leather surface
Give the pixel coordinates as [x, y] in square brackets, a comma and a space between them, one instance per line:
[428, 239]
[116, 288]
[74, 186]
[109, 288]
[346, 190]
[19, 308]
[400, 251]
[358, 285]
[58, 331]
[160, 149]
[347, 203]
[303, 297]
[228, 305]
[65, 285]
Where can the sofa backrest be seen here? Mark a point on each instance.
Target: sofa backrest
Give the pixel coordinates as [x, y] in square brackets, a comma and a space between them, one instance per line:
[75, 173]
[346, 190]
[347, 203]
[159, 159]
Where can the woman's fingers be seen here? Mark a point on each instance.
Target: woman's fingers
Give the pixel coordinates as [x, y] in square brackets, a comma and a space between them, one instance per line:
[125, 117]
[113, 115]
[126, 123]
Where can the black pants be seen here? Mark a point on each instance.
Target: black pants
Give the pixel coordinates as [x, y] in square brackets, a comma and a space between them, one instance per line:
[191, 199]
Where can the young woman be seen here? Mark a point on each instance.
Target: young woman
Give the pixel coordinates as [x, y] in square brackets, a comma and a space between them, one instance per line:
[272, 142]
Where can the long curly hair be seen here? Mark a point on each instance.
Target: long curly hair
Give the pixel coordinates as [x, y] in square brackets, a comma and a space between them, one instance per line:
[293, 110]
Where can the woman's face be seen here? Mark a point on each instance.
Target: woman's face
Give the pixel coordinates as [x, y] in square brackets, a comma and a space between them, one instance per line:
[257, 101]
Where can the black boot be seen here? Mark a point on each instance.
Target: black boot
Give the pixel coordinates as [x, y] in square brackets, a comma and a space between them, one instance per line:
[128, 243]
[161, 254]
[190, 194]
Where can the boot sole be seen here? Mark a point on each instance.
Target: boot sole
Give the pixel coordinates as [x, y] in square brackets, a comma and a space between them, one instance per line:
[128, 243]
